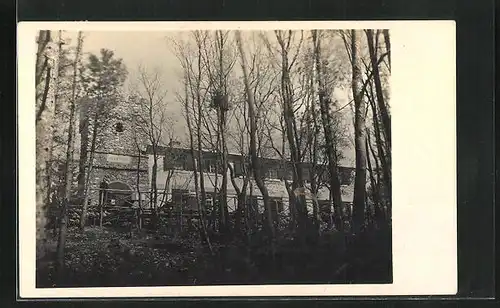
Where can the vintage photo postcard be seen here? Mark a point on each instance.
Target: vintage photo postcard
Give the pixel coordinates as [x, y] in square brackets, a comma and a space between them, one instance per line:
[187, 159]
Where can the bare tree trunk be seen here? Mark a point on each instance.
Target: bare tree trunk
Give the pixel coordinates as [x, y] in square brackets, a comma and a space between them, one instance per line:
[383, 152]
[102, 199]
[154, 146]
[374, 186]
[241, 200]
[138, 186]
[360, 135]
[253, 144]
[68, 170]
[45, 66]
[291, 206]
[291, 195]
[83, 216]
[199, 153]
[198, 181]
[166, 188]
[291, 133]
[84, 149]
[316, 211]
[387, 45]
[154, 186]
[224, 212]
[384, 113]
[313, 151]
[54, 128]
[216, 211]
[200, 189]
[325, 102]
[44, 39]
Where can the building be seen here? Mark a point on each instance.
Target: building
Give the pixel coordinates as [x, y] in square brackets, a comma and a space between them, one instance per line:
[176, 181]
[127, 167]
[116, 156]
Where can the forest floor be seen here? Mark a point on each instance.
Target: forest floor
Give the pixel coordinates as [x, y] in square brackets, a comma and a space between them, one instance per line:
[106, 257]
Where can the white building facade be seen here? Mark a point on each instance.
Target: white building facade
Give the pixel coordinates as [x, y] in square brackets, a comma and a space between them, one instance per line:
[176, 180]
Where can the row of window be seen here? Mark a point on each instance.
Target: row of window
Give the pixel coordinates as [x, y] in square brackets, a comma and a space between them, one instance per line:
[272, 169]
[183, 199]
[188, 201]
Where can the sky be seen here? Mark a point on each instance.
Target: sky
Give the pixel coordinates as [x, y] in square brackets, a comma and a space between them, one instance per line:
[154, 50]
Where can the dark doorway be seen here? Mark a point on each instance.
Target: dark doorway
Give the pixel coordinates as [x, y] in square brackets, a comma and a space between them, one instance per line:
[119, 194]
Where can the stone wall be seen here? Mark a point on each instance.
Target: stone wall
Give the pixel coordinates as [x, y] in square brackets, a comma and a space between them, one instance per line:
[117, 154]
[126, 172]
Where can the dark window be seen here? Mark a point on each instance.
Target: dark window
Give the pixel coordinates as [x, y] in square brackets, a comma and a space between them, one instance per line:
[272, 173]
[182, 199]
[324, 173]
[211, 166]
[188, 162]
[173, 163]
[118, 194]
[277, 204]
[119, 127]
[179, 198]
[276, 208]
[191, 203]
[345, 176]
[306, 174]
[238, 166]
[347, 206]
[281, 173]
[177, 160]
[210, 200]
[178, 164]
[253, 204]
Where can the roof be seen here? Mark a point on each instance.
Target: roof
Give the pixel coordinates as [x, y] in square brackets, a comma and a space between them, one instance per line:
[182, 151]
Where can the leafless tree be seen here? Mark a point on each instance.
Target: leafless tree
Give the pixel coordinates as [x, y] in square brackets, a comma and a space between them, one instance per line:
[325, 102]
[384, 112]
[359, 132]
[255, 162]
[151, 119]
[219, 59]
[196, 93]
[101, 79]
[263, 84]
[45, 81]
[68, 174]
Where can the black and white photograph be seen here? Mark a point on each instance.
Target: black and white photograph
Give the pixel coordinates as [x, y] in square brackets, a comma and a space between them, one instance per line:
[213, 157]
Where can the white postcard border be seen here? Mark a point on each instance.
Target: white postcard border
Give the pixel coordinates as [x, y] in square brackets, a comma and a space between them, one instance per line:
[423, 103]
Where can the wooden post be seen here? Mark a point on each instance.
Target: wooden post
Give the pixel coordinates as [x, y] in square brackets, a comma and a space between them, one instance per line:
[101, 207]
[182, 218]
[139, 216]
